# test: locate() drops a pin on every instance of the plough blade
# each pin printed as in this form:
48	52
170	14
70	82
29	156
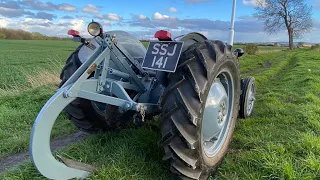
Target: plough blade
41	154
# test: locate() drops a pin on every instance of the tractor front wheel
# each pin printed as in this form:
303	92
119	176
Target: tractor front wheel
199	109
247	97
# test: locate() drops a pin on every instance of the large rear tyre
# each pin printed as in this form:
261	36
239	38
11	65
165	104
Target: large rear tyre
247	97
200	109
88	115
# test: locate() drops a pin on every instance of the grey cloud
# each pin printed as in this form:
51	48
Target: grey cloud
91	9
65	24
138	17
67	17
137	21
43	15
11	13
37	5
241	25
67	7
38	23
81	16
40	6
109	16
196	1
12	9
142	24
10	4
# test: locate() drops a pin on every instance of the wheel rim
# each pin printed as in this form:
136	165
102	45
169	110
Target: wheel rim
251	99
217	113
100	108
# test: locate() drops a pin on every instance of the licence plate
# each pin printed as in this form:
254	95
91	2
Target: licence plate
162	56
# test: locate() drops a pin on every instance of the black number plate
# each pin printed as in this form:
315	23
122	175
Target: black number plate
163	56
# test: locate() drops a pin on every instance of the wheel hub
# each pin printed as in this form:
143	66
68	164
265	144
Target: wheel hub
222	112
217	113
251	99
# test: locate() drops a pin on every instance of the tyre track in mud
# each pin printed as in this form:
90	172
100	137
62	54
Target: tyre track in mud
11	161
267	65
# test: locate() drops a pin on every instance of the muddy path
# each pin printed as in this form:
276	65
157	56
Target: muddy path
14	160
267	64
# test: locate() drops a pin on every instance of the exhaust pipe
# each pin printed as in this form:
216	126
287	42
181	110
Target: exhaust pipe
231	36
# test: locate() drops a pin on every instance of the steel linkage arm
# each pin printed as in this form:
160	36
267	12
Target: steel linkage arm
79	86
88	91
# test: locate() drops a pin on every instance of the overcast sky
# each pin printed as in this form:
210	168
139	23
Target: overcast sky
143	17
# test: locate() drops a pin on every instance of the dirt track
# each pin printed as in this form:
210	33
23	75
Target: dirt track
57	144
267	65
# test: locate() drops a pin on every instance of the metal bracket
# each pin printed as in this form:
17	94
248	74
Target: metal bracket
104	72
146	95
81	86
84	71
131	59
76	39
121	62
88	91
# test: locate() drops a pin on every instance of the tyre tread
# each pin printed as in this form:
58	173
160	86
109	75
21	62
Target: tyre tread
244	88
195	67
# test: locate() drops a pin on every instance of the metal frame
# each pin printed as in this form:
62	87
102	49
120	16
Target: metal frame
79	86
90	88
41	155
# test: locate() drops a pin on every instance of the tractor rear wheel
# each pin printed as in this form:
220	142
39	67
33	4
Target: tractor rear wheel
87	115
200	109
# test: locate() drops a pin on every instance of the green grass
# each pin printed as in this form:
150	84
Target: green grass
21	57
30	73
280	141
145	44
17	114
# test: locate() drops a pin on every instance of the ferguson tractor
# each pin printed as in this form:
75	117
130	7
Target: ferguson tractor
193	84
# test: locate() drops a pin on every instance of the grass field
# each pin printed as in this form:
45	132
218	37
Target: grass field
281	140
30	74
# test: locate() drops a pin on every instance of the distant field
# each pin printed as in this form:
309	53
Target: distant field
264	47
21	57
280	141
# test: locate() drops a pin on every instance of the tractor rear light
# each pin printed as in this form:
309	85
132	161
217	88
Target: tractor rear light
73	32
163	35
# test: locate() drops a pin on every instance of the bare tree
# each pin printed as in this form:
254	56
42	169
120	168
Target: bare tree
293	15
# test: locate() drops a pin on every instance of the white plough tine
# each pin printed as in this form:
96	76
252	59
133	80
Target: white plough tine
41	155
